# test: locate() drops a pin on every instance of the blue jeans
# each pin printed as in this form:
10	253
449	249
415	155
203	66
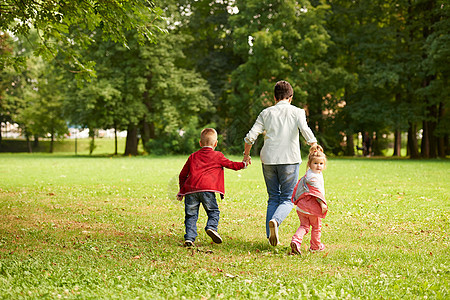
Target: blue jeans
191	206
280	182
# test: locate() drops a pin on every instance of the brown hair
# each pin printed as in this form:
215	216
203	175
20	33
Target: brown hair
283	90
314	153
208	137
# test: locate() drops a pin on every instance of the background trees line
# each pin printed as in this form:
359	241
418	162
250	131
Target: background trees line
356	66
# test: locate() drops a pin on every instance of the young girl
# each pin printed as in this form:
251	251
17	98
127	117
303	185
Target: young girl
309	200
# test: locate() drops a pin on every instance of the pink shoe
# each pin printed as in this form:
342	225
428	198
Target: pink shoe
321	248
295	248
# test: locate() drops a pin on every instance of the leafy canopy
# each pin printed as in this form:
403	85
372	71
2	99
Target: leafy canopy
63	24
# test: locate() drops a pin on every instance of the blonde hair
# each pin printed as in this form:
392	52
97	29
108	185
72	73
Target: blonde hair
208	137
316	152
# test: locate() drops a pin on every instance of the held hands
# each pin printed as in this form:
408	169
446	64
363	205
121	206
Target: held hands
247	160
179	197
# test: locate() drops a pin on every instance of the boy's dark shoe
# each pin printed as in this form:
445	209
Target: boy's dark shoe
188	243
214	236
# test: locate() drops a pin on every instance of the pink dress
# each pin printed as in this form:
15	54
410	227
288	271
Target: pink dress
308	189
306	193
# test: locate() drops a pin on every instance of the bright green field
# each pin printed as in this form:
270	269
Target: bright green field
104	228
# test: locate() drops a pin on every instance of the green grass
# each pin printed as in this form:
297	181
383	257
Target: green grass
83	227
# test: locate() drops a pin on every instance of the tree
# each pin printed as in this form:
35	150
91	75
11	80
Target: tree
209	49
5	82
36	95
32	97
143	89
398	87
62	24
436	88
43	115
175	97
113	99
278	40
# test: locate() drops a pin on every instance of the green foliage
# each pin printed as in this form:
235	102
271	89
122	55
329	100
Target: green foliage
185	141
175	95
114	98
63	24
34	97
210	50
283	40
145	85
436	64
355	66
104	228
388	49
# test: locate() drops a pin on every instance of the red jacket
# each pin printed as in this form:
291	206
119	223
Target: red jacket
203	172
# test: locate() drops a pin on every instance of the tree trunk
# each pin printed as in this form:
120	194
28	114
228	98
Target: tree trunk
350	147
429	141
413	148
115	141
397	143
52	139
30	149
131	145
446	147
145	132
376	144
432	125
432	139
429	146
441	139
369	143
441	147
425	144
36	141
92	142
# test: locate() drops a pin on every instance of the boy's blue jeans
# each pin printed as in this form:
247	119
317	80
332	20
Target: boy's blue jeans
191	207
280	182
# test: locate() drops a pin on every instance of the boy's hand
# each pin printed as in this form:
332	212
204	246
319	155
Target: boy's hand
247	160
179	197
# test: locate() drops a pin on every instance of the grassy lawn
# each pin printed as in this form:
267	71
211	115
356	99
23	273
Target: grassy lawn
103	228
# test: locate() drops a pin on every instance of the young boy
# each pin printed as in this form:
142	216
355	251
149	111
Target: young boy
201	177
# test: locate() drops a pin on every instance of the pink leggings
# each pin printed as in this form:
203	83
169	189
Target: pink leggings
305	222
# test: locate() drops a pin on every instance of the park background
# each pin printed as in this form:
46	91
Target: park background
102	225
162	71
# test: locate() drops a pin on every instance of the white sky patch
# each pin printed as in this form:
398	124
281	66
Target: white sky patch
250	41
232	10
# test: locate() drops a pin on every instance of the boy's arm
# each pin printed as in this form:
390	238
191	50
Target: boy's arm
184	175
234	165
